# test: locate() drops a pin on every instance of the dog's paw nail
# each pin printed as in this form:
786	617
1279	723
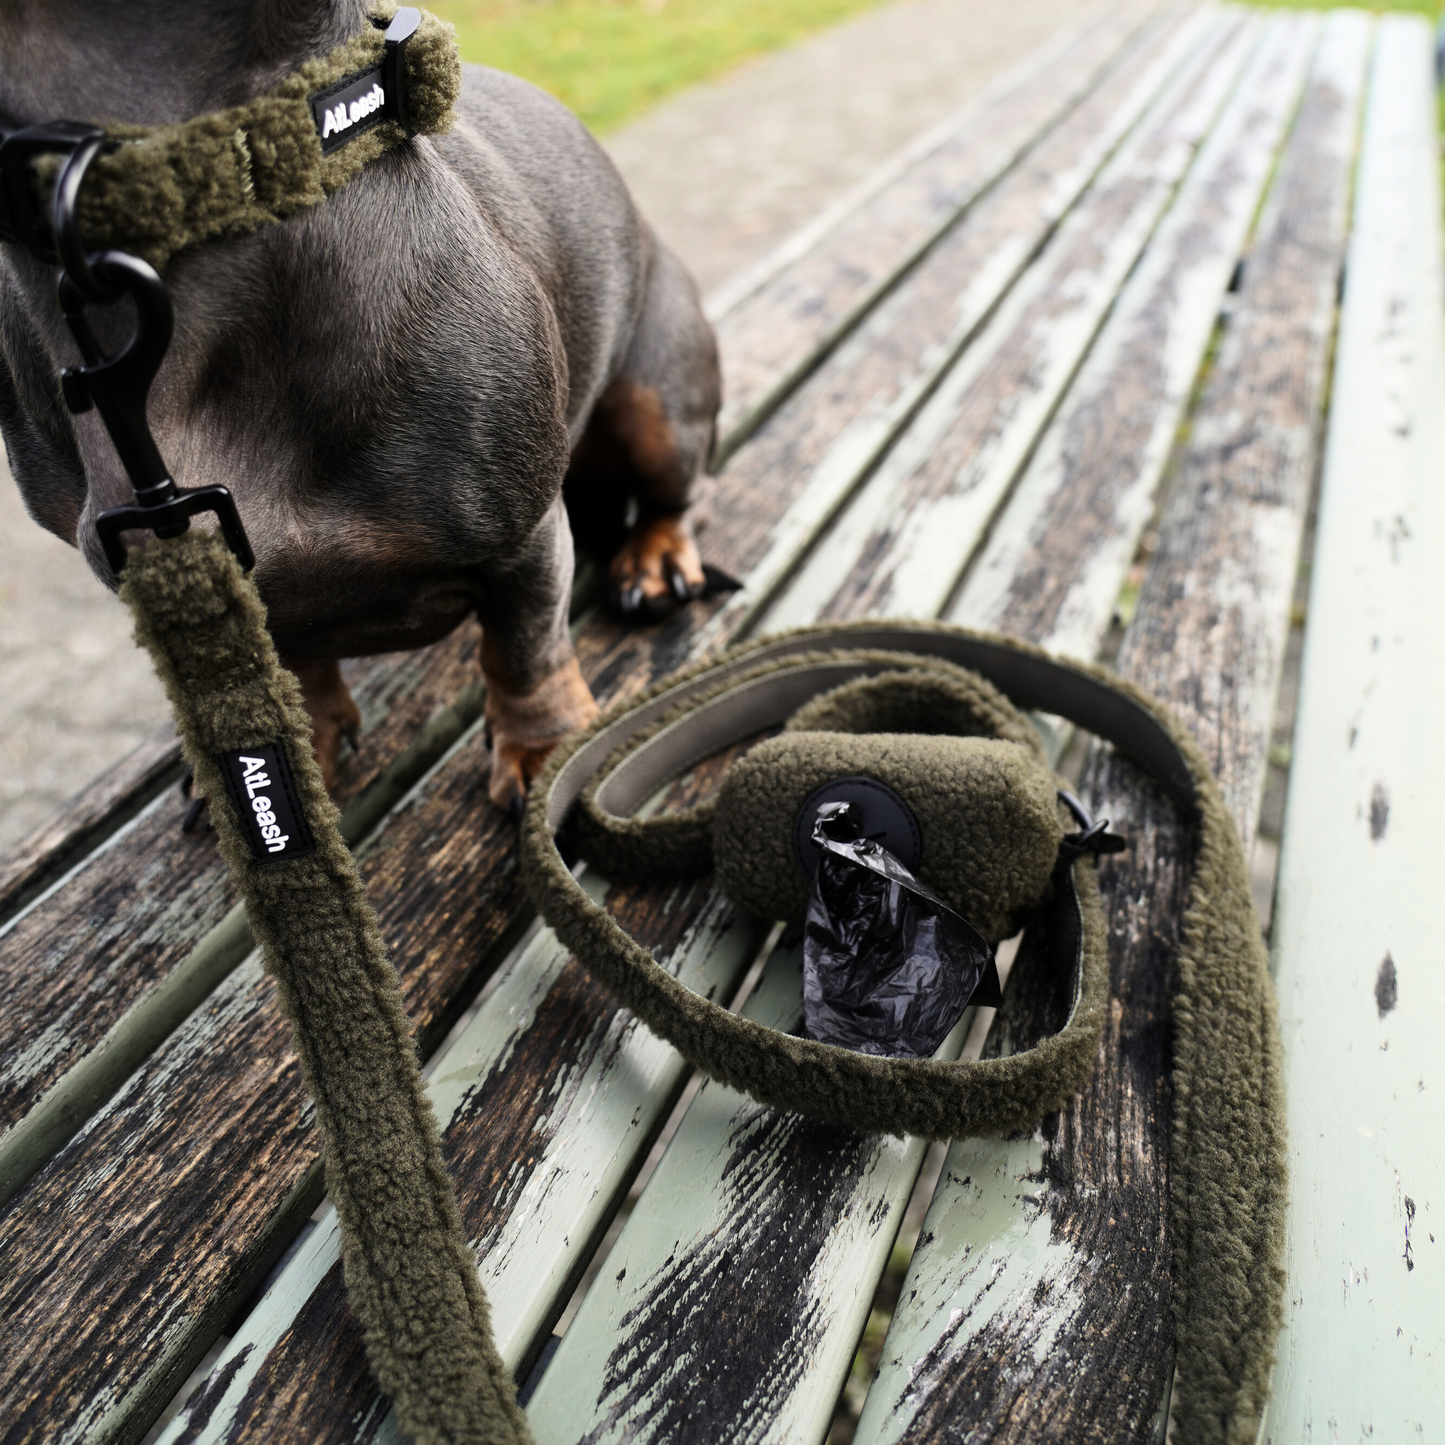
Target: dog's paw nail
630	598
517	807
353	739
192	819
188	782
487	736
715	580
676	581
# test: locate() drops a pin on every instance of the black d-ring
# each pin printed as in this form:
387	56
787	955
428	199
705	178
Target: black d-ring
66	223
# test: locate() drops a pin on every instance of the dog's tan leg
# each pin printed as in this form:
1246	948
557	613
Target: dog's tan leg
334	715
651	433
535	691
526	725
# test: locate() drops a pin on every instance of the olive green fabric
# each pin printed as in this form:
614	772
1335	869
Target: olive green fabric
410	1273
927	1097
987	814
230	172
940	700
1228	1170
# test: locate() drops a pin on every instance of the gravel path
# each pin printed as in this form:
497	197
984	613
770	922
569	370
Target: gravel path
724	171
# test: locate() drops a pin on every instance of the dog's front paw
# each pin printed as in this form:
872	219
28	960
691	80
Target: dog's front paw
658	567
525	727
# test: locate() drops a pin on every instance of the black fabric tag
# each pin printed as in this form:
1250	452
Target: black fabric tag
349	108
259	782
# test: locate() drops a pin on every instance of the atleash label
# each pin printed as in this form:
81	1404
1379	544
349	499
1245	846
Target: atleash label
260	785
348	109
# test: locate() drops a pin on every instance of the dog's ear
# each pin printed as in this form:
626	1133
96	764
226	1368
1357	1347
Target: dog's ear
286	31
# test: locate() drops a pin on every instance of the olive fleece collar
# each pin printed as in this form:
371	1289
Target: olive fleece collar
155	190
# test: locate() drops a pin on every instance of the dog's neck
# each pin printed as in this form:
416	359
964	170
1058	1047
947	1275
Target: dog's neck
152	61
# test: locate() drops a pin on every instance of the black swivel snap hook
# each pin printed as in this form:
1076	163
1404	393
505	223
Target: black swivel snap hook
118	385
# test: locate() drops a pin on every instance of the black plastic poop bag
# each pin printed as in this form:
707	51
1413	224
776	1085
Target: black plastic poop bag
888	966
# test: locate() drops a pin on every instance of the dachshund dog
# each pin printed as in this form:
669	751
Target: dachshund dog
396	384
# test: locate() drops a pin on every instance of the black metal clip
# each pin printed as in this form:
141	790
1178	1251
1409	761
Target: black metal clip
393	62
1092	837
24	218
117	385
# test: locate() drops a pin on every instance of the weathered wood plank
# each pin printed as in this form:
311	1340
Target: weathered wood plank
1357	950
803	301
1057	557
94	973
757	1242
905	539
549	1101
1040	1292
832	433
87	820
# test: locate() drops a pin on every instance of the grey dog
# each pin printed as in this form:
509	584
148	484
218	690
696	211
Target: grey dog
396	384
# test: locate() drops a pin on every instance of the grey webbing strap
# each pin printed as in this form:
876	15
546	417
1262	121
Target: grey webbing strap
1029	677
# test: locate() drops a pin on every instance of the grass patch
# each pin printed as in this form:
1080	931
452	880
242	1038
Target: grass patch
609	60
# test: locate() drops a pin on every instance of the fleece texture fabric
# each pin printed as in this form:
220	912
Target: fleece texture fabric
162	188
409	1270
1228	1172
987	814
927	1097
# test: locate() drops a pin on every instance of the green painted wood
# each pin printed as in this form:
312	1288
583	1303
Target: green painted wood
904	541
837	428
1058	556
535	1212
1357	950
728	1306
1040	1257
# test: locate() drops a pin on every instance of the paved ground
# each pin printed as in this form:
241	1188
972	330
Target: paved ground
724	171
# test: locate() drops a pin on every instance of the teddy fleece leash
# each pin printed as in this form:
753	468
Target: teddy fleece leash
1227	1158
410	1273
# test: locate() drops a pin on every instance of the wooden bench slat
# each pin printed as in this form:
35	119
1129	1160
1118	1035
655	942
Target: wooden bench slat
1067	162
1357	951
772	335
760	1236
906	538
87	820
572	1091
93	974
1059	553
1043	1257
834	430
